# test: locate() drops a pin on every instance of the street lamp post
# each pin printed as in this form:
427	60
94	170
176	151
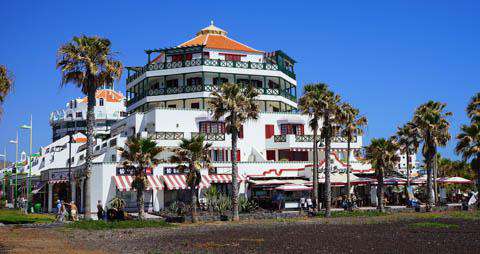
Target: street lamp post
16	170
29	127
4	155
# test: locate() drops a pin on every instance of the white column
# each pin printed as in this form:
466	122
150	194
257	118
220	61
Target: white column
50	197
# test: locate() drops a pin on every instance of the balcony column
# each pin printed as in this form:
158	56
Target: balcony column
183	84
203	102
234	78
264	84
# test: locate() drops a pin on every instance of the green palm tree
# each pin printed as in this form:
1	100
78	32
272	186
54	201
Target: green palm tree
469	146
409	140
310	104
6	84
191	156
430	119
473	108
237	105
88	63
331	115
382	154
352	126
138	155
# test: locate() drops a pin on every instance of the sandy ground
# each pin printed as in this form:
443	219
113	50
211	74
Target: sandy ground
341	235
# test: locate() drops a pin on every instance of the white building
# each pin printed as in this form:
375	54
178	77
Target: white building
168	99
110	107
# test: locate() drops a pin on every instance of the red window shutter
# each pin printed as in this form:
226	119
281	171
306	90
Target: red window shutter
240	133
238	155
270	155
269	131
302	130
188	56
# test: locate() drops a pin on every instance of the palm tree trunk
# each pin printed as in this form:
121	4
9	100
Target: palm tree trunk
409	169
140	204
235	216
349	140
193	193
90	144
478	177
315	170
380	191
429	185
328	187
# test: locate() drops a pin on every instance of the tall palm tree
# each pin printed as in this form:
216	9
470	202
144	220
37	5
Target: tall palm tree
331	115
88	63
433	127
409	140
352	125
237	105
473	108
138	155
469	146
382	154
191	156
310	104
6	84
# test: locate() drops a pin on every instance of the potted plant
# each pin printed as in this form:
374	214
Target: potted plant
116	210
177	212
223	205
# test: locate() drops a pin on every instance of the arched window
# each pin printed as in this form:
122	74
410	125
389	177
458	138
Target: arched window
100	101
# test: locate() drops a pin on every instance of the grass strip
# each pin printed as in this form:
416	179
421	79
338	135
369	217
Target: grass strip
106	225
10	216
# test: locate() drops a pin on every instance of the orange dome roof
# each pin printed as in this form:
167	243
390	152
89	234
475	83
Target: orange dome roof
216	38
107	95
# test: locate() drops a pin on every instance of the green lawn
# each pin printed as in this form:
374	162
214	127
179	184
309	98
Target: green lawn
10	216
356	213
104	225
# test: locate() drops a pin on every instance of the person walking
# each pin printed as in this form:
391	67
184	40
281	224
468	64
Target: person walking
73	211
100	211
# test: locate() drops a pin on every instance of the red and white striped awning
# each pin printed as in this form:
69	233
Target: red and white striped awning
124	182
179	182
223	178
58	181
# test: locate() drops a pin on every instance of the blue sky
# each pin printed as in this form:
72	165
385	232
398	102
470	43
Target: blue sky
385	57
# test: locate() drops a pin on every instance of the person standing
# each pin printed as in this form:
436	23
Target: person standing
73	211
100	211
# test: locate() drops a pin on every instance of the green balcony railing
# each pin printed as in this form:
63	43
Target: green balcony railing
210	136
209	62
204	88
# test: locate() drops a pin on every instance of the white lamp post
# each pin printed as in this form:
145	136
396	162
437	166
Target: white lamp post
29	127
4	155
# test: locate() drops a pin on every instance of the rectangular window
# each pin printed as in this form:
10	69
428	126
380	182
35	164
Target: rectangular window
176	58
296	129
257	83
172	106
273	85
240	132
212	127
172	83
195	105
206	55
270	155
232	57
194	81
78	114
219	81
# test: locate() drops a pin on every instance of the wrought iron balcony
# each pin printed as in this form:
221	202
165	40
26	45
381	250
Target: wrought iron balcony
210	136
279	138
209	62
204	88
166	135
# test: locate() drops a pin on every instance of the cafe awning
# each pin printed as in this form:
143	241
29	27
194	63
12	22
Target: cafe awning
293	187
223	178
124	182
179	182
454	180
